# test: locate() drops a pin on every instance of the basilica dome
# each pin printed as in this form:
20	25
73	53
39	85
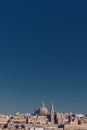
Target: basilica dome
43	110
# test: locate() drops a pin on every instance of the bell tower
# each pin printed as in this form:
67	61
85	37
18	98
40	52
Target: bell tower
52	114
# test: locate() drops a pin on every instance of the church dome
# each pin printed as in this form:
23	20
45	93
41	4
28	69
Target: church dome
43	110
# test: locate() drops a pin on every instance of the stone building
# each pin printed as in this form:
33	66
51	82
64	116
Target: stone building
40	119
17	121
4	120
82	120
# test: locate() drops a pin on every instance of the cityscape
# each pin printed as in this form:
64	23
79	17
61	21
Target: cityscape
43	57
42	119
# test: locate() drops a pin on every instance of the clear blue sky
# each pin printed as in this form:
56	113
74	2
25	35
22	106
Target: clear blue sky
43	55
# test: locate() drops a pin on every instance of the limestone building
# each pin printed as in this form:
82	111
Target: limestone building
40	119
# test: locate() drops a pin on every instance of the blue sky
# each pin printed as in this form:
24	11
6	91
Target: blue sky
43	55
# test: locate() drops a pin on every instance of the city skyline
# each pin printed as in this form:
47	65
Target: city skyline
43	55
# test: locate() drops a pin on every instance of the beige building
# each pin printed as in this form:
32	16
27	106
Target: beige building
42	119
39	120
4	120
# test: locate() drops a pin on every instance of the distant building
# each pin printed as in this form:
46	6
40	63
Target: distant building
41	119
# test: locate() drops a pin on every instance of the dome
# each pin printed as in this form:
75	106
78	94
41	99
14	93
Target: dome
43	110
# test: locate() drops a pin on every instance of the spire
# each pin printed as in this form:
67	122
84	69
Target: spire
52	114
52	107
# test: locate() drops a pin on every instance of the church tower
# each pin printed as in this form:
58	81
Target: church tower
52	114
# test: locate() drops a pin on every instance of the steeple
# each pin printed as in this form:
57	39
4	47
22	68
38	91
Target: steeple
52	114
52	108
